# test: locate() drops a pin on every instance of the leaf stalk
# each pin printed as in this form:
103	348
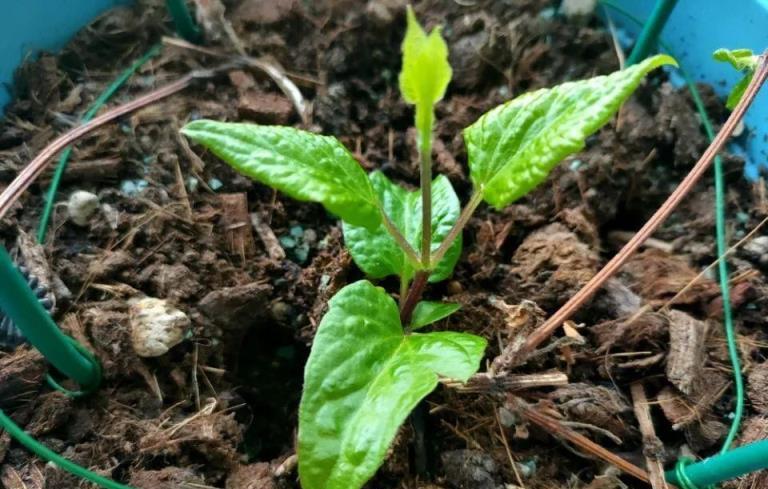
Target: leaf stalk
462	221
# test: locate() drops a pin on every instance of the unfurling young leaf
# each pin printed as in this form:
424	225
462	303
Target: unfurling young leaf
512	148
362	379
428	312
425	73
304	165
743	60
377	254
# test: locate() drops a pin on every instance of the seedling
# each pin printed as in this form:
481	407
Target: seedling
368	368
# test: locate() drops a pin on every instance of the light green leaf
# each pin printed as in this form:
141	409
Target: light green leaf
377	253
304	165
362	379
513	147
425	73
428	312
743	60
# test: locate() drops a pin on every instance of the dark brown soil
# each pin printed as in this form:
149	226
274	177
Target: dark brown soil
219	409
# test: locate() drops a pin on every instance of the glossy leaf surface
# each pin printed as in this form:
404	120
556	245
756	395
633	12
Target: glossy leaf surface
513	147
428	312
362	379
377	253
303	165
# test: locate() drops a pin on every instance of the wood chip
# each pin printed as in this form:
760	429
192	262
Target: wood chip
235	219
268	238
687	338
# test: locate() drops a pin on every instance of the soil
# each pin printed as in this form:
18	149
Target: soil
253	269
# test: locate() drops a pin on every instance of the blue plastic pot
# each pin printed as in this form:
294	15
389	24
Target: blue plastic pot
695	29
29	26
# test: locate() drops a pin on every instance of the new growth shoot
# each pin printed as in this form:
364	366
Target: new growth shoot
371	362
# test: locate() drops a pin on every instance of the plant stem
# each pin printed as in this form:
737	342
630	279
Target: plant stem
466	214
404	283
414	294
425	177
553	323
403	243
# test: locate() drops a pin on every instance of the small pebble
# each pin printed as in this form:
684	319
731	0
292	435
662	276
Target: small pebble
156	326
81	206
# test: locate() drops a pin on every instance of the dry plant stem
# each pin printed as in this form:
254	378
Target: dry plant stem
414	294
553	323
28	175
556	429
285	84
486	382
712	265
652	446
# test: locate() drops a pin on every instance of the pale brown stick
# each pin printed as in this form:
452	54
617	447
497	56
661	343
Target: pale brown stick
544	331
652	446
554	428
28	175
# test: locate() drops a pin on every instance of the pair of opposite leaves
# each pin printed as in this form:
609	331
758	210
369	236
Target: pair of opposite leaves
364	374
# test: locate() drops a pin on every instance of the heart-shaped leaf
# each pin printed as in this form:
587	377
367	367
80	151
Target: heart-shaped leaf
304	165
513	147
363	377
377	253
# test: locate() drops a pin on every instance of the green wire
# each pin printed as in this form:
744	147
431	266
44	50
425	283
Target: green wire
720	238
722	271
183	21
651	28
46	453
108	93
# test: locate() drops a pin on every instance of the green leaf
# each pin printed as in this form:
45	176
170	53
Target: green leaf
738	91
377	253
425	73
362	379
304	165
513	147
743	60
428	312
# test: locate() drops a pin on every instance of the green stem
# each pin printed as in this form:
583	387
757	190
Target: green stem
425	176
403	243
97	104
466	214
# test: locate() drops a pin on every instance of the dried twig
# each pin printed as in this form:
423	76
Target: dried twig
554	428
487	382
653	448
33	170
272	70
544	331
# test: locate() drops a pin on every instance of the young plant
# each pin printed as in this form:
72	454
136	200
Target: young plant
745	61
368	368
